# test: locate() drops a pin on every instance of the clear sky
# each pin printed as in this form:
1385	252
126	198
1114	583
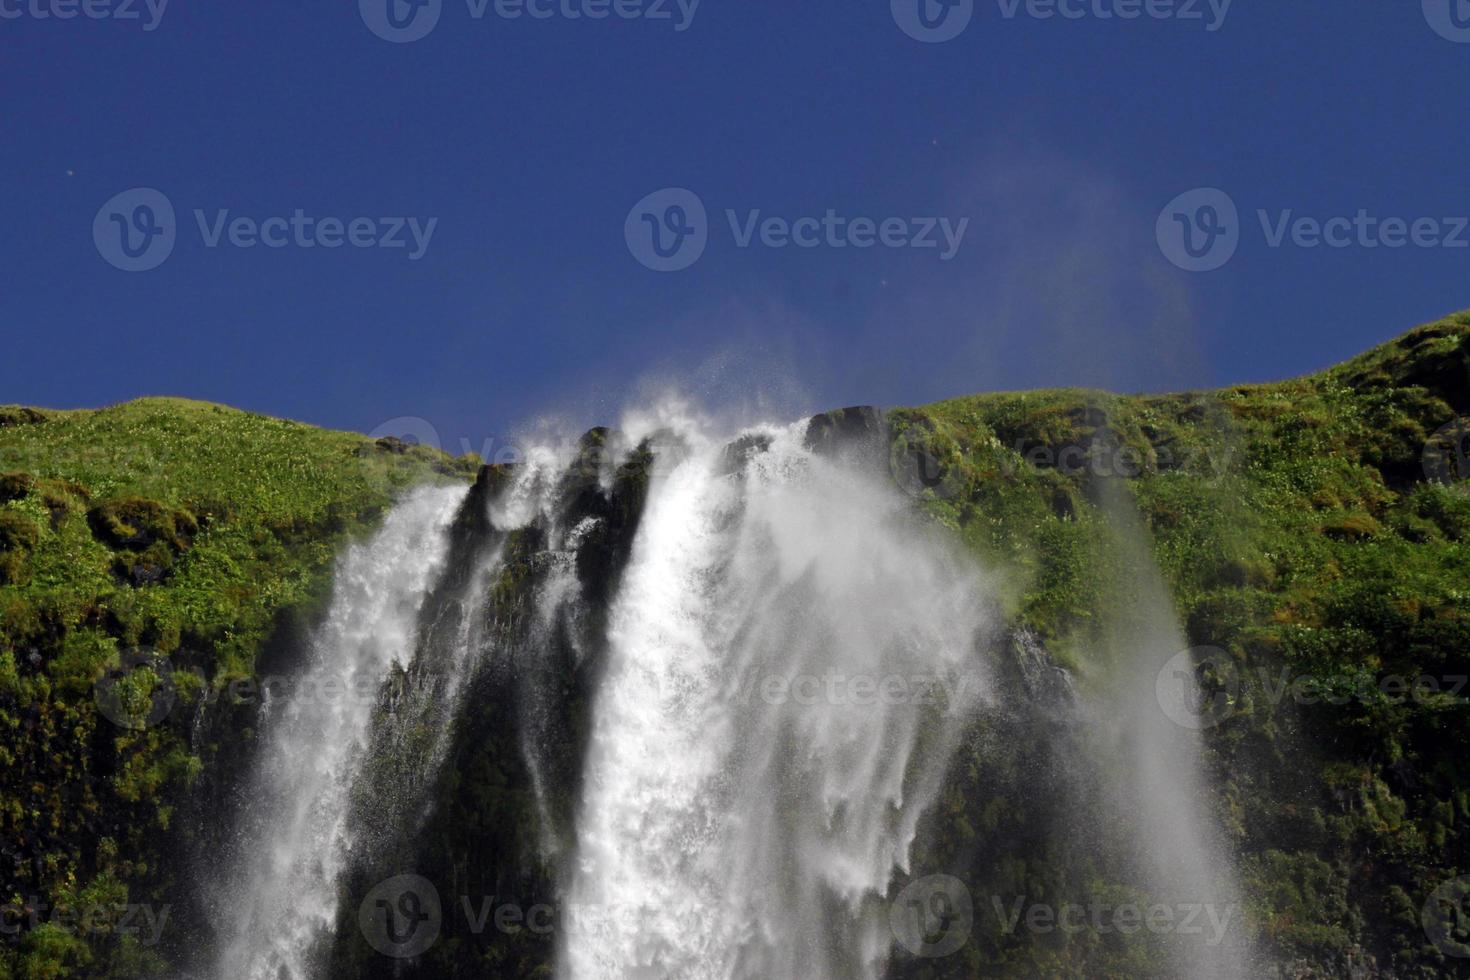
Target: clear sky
526	145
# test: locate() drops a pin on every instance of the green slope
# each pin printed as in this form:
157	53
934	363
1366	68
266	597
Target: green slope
161	527
1293	521
1300	534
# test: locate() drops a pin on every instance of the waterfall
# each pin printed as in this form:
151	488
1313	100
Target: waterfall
717	681
791	660
1153	758
293	837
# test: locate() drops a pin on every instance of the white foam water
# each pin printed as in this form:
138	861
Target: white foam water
293	842
1156	781
792	659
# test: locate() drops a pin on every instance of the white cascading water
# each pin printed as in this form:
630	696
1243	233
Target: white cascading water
792	658
1156	777
747	798
293	844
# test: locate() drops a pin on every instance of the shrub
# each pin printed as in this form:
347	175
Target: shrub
15	486
136	524
18	538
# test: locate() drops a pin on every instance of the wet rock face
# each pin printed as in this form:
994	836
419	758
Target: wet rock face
742	451
860	429
502	801
1044	683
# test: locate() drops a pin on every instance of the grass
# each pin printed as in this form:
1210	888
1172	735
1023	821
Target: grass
1292	521
1299	530
186	528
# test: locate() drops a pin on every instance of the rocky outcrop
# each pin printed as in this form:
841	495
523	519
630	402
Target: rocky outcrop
858	434
502	787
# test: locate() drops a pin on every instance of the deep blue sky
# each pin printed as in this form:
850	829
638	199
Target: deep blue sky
530	141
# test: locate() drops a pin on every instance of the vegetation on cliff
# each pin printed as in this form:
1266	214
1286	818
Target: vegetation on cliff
1314	531
1293	521
149	553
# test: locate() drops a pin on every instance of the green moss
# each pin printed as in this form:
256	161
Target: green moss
1298	530
19	537
1293	522
15	486
187	528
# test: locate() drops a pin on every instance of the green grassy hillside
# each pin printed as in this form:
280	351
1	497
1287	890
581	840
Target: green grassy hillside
1294	522
162	531
1300	533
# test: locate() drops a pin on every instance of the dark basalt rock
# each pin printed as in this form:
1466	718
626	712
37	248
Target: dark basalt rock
858	437
16	486
393	444
1046	685
741	451
500	808
860	428
12	415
